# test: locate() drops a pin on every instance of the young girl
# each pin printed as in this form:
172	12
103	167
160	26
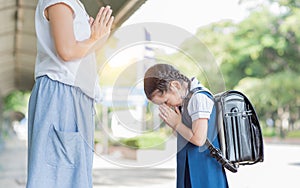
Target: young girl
168	88
61	121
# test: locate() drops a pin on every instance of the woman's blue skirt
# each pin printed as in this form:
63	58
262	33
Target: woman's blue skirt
60	136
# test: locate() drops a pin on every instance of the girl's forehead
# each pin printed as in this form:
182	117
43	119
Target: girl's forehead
159	98
157	93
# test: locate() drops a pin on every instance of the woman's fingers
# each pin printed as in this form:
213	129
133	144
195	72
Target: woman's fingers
106	13
111	20
107	17
101	26
99	15
91	21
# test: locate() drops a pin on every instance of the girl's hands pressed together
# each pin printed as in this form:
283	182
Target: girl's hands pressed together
171	117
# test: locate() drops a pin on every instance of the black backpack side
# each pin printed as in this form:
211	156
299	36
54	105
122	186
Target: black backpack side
239	131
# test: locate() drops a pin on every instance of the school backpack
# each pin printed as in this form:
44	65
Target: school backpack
239	131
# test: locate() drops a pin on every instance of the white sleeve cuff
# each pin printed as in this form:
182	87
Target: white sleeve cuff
200	106
198	115
53	2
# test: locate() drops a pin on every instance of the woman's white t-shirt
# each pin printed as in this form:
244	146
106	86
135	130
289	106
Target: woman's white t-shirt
81	73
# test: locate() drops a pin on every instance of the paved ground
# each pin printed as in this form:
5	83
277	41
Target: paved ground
13	164
281	168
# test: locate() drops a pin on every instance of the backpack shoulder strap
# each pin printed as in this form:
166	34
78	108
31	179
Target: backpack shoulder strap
199	90
214	152
217	154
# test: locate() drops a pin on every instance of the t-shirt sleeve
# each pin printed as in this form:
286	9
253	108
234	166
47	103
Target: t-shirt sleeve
200	106
49	3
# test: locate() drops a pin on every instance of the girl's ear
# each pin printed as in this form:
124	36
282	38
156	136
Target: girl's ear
175	84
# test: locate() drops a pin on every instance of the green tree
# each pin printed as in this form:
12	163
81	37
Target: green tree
260	55
17	101
276	96
262	44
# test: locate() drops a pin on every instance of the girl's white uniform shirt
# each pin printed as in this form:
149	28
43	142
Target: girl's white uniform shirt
200	105
81	73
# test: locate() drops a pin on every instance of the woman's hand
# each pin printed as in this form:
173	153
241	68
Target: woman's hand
68	48
171	117
101	25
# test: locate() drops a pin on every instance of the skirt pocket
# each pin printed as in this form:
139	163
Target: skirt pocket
63	148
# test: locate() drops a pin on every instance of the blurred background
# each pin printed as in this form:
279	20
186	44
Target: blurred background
249	45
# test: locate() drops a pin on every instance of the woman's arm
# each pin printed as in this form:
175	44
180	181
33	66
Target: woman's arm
197	135
68	48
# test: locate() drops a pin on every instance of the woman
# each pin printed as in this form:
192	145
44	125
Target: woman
61	116
193	119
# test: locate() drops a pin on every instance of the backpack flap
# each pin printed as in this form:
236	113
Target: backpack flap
239	130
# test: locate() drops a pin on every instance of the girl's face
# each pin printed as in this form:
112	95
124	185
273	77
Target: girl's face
171	98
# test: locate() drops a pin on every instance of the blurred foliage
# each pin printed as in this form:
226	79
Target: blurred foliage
268	132
260	56
293	134
291	4
262	44
17	101
153	140
273	91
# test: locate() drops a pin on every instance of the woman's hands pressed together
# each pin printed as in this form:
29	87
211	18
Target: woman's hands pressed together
171	117
68	48
101	25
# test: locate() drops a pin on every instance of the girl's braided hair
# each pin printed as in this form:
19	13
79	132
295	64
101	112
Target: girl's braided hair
159	76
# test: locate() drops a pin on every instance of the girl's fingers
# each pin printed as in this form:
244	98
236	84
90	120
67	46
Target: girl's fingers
166	108
162	116
163	110
177	110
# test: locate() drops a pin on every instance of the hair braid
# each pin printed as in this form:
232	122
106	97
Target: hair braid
159	76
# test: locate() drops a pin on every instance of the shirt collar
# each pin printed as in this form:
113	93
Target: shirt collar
195	83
